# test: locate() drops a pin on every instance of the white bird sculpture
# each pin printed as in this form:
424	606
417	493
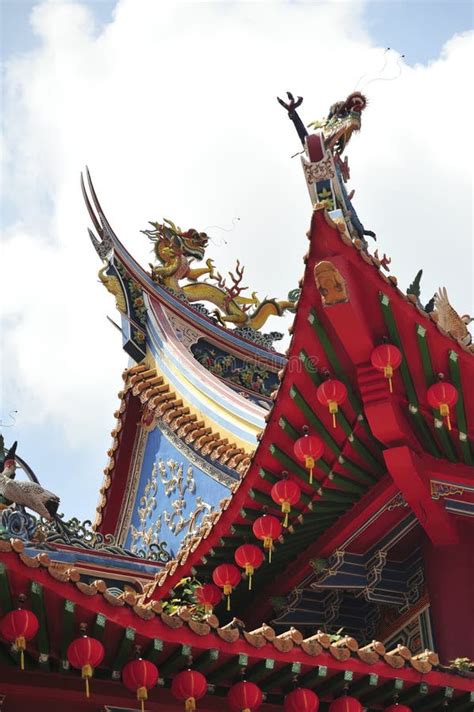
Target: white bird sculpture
27	494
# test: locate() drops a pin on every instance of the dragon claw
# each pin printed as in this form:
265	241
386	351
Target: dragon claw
292	103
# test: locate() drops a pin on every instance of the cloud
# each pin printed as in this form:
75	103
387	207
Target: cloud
172	105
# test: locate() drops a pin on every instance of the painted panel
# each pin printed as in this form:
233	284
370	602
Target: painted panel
175	494
249	378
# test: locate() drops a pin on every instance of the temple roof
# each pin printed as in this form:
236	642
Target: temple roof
352	478
60	598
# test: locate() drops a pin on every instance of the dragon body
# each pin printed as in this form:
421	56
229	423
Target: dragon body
176	250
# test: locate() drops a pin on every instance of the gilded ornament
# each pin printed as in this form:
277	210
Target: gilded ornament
112	285
330	283
175	251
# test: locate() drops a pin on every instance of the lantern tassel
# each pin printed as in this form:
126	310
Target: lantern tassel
268	544
333	410
86	674
227	592
20	643
142	695
285	508
444	411
249	571
190	704
388	373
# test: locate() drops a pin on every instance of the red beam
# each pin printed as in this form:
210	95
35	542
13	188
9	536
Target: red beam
445	470
409	474
119	475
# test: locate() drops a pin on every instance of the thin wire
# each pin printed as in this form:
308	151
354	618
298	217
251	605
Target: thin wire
12	416
379	71
389	79
380	78
225	229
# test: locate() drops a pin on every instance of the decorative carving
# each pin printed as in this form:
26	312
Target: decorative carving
175	251
185	333
25	494
444	489
322	170
243	374
449	320
397	501
176	482
43	534
137	300
112	285
330	283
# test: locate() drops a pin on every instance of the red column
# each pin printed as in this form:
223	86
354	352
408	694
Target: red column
449	572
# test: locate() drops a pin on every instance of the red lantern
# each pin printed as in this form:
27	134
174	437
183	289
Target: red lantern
443	396
386	358
249	557
18	627
267	529
85	654
244	697
227	577
139	676
332	393
346	704
208	596
308	449
189	686
301	700
398	708
285	492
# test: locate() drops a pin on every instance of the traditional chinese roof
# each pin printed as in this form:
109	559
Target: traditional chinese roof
61	600
187	320
357	476
146	397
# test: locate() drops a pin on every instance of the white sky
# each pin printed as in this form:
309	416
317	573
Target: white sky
172	106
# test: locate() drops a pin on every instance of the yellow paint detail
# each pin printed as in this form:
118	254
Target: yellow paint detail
247	445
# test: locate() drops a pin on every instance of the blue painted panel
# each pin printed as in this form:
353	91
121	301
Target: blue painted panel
174	495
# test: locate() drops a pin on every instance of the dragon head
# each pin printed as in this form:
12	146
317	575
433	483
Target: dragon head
167	235
194	243
343	119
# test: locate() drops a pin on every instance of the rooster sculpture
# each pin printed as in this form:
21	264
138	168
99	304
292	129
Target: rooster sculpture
26	494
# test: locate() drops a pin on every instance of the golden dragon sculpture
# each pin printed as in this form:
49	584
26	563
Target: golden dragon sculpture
175	251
